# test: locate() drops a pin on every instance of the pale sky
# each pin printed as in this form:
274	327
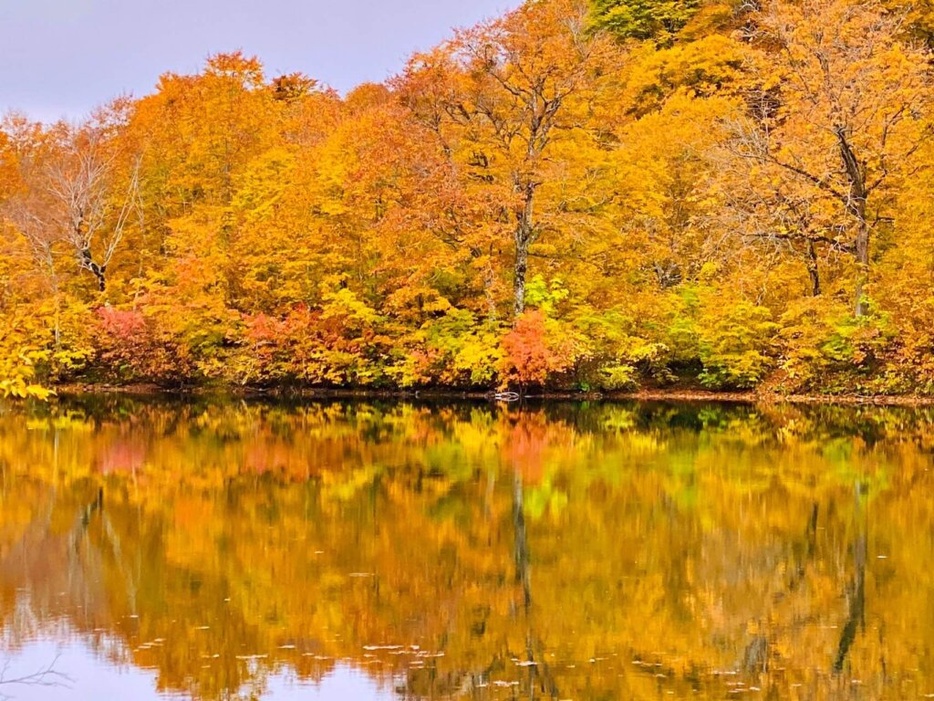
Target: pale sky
61	58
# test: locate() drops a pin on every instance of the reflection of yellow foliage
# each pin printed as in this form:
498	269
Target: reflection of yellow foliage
681	537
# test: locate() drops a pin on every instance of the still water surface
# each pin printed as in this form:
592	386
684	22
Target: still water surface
216	550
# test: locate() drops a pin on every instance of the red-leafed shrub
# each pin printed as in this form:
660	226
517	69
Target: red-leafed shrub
535	349
127	349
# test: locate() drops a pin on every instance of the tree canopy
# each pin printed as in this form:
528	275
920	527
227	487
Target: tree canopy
577	196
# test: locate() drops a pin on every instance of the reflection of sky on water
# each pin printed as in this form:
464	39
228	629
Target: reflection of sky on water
88	679
343	682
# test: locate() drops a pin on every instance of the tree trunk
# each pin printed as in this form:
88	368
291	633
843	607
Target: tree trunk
524	235
862	263
522	267
813	271
86	261
101	274
856	205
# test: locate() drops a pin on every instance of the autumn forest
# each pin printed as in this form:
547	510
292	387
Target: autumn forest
602	196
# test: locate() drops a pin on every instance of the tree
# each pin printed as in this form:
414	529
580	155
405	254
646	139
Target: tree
70	193
832	128
504	99
643	19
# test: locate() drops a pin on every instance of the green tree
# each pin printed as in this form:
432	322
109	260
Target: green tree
643	19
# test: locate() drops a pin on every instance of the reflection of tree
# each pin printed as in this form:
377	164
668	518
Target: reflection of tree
521	552
539	674
255	538
75	560
51	558
856	588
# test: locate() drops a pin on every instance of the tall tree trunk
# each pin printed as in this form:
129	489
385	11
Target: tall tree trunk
524	235
862	264
856	205
522	267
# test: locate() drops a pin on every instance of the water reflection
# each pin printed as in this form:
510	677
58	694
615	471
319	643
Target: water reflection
79	674
220	550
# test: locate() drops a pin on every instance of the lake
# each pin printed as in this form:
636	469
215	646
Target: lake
221	549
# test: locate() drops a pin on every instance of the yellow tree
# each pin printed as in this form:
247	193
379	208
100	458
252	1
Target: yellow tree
668	191
72	193
198	133
67	196
278	250
508	102
832	129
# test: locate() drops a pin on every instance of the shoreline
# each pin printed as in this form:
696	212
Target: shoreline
654	395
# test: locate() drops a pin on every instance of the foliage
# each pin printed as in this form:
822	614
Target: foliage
425	546
643	19
730	197
18	361
734	343
826	348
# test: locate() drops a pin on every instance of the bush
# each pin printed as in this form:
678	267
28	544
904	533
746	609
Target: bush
734	342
